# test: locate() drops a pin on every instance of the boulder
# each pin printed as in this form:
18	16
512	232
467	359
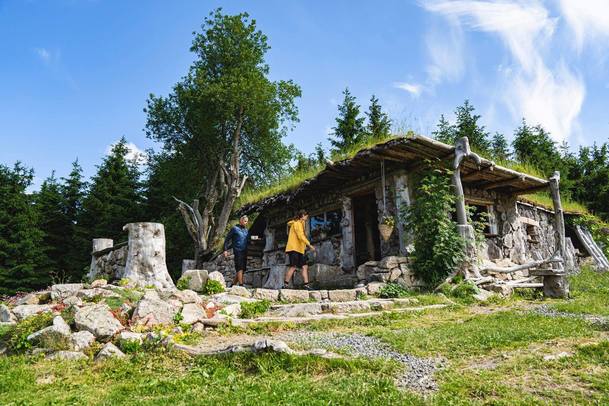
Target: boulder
389	262
297	310
25	311
131	336
395	274
29	299
6	316
232	310
73	301
99	283
109	351
349	307
81	340
193	313
483	295
67	355
217	276
275	277
293	295
226	298
62	291
268	294
56	336
195	279
151	311
240	291
91	294
374	288
186	296
98	320
502	289
267	345
342	295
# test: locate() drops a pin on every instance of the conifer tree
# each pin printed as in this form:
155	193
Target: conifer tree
349	130
467	126
379	124
445	132
20	239
72	190
500	147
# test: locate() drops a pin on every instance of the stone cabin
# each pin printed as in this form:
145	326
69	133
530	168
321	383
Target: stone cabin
347	201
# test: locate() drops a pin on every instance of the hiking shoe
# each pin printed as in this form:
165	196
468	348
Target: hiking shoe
286	285
308	286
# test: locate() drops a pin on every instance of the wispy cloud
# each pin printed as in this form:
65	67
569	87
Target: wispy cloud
588	19
445	50
534	88
414	89
45	55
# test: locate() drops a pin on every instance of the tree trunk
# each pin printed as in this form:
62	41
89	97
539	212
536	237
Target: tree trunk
146	258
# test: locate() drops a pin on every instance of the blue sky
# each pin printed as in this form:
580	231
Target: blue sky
75	74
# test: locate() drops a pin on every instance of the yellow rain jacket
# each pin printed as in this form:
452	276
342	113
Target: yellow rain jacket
297	241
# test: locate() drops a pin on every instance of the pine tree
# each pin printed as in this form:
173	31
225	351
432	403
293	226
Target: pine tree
467	126
113	199
500	147
379	124
72	191
533	145
445	132
349	130
320	154
20	239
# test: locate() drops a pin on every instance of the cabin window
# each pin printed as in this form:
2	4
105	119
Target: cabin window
324	225
485	215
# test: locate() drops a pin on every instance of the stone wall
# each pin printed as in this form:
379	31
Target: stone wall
109	263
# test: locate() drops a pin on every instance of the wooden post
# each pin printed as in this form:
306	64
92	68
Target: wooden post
402	200
347	255
557	285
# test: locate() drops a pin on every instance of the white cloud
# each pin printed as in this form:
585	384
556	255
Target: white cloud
446	54
44	54
589	19
414	89
545	94
134	153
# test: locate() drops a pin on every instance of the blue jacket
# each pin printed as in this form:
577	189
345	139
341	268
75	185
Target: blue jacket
238	238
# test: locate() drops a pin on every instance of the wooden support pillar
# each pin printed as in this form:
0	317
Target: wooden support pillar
557	285
402	200
347	253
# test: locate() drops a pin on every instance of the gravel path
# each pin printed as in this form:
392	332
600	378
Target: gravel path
418	372
546	310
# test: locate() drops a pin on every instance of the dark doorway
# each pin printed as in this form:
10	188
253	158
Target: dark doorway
367	237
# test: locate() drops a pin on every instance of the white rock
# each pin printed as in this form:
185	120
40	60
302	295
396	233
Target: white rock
240	291
98	320
342	295
65	290
374	288
297	310
217	276
226	298
198	328
81	340
315	295
151	311
389	262
395	274
349	307
109	351
193	313
186	296
89	294
271	345
131	336
483	295
197	278
553	357
99	283
232	310
294	295
268	294
25	311
59	331
72	301
67	355
29	299
6	316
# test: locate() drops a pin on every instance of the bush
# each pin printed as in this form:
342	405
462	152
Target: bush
183	283
392	291
16	338
438	248
249	310
464	291
212	287
130	346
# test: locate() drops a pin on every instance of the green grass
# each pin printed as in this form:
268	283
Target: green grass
544	200
589	294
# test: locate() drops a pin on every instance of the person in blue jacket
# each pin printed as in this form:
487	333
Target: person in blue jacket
238	238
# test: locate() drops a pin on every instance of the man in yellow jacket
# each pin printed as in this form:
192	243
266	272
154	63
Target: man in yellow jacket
295	248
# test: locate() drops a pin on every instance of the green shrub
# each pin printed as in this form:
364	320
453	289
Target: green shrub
361	295
130	346
178	318
16	338
249	310
392	291
212	287
464	291
183	283
438	247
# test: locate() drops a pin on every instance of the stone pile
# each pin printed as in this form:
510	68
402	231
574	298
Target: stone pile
392	269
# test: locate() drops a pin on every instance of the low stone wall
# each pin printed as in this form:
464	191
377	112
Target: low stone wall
390	269
109	263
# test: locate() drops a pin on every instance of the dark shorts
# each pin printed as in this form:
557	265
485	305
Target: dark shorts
296	259
240	260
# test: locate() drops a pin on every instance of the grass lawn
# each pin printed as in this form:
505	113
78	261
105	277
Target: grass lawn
501	354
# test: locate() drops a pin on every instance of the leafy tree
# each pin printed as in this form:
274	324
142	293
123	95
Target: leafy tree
113	199
228	119
499	147
379	124
349	130
21	251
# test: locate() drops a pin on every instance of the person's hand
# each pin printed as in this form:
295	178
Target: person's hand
225	254
255	237
312	248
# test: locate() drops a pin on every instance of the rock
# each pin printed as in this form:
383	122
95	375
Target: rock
374	288
81	340
275	277
131	336
292	295
72	301
29	299
99	283
91	294
193	313
483	295
395	274
324	295
151	311
315	295
226	298
267	345
331	277
389	262
25	311
554	287
240	291
232	310
188	264
109	351
349	307
62	291
56	336
186	296
502	289
297	310
217	276
342	295
378	277
67	355
198	328
195	279
268	294
98	320
552	357
6	316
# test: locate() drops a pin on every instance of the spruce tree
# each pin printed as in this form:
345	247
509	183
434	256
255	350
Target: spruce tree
379	124
21	253
467	126
349	130
445	132
500	147
72	190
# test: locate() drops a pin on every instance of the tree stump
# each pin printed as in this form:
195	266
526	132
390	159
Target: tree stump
146	257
